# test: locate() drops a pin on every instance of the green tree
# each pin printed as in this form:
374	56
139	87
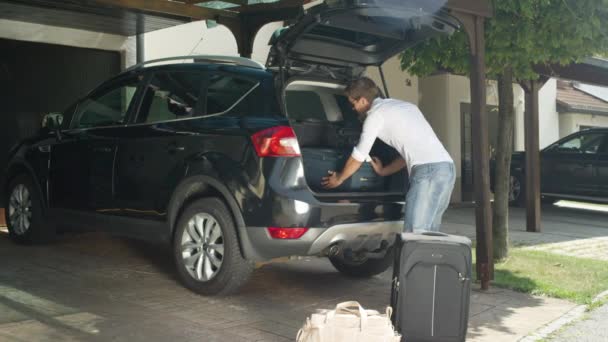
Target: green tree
520	35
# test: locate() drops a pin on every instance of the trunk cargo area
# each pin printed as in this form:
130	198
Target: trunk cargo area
327	129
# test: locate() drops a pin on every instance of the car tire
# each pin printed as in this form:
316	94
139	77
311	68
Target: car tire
206	249
364	268
517	191
24	213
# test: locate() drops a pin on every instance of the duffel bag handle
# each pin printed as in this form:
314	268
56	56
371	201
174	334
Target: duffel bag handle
353	307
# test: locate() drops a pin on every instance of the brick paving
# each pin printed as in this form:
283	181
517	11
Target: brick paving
93	287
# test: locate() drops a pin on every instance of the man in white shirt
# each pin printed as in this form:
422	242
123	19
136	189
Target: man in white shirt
401	125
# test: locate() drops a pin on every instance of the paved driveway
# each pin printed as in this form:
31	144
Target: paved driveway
93	287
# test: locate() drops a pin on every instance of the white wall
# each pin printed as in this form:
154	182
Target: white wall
196	39
572	122
519	99
441	97
260	44
401	85
440	100
548	118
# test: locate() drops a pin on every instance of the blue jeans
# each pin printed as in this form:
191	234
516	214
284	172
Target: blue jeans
429	195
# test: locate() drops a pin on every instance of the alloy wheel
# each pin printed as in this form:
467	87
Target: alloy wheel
202	247
20	209
514	189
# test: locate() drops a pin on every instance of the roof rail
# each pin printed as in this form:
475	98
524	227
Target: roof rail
241	61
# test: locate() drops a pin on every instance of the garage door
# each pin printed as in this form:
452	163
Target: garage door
38	78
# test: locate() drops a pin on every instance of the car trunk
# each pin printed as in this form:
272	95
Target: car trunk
327	129
337	40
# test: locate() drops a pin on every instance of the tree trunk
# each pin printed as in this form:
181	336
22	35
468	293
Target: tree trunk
504	149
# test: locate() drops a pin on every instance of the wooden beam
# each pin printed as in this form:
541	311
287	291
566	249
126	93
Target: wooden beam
253	18
474	7
170	7
236	2
532	169
582	72
474	27
271	6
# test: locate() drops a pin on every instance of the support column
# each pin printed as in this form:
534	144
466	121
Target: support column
531	129
474	27
247	25
139	41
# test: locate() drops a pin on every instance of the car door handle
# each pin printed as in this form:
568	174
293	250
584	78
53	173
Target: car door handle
172	148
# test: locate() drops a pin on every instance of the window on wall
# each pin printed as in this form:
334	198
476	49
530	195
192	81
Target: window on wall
226	91
170	96
108	107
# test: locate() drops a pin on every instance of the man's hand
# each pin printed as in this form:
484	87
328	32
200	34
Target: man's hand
332	181
377	165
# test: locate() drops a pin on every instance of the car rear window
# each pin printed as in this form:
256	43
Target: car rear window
304	105
225	91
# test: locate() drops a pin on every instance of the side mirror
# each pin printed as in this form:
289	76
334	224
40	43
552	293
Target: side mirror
52	122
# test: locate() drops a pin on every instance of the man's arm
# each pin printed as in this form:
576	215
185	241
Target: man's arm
335	179
371	128
394	167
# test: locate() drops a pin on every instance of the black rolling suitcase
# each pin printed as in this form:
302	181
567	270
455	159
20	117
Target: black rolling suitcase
431	287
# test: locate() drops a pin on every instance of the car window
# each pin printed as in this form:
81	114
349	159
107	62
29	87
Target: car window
107	107
584	143
225	91
68	114
304	105
170	96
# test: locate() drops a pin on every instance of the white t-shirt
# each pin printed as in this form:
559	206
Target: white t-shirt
401	125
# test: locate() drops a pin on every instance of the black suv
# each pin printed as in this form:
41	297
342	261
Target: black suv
209	155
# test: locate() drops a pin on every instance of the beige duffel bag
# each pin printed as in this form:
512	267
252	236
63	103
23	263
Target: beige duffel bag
349	322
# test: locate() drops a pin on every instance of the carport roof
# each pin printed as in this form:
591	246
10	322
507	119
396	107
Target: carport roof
131	17
87	15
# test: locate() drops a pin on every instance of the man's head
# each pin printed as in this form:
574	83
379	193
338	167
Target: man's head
361	93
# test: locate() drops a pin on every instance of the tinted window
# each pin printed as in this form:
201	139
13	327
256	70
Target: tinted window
584	143
67	116
225	91
108	107
170	96
302	105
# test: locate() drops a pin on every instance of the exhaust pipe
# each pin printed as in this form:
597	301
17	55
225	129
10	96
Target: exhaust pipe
334	250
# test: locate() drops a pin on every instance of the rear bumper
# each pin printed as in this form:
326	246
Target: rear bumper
283	199
317	241
357	236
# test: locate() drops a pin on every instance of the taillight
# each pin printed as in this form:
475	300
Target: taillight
286	233
276	142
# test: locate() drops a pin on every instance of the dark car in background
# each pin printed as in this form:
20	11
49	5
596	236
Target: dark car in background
206	156
575	167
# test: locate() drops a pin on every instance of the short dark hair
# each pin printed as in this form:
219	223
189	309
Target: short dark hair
363	87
